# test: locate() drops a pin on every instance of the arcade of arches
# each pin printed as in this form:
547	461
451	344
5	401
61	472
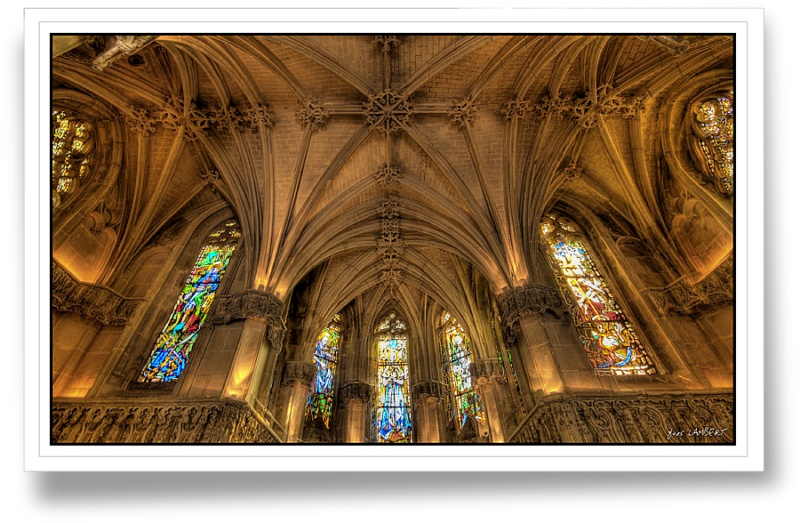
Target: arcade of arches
400	239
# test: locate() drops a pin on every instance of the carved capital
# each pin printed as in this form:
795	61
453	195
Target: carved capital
533	299
357	392
487	369
428	389
91	301
248	304
299	371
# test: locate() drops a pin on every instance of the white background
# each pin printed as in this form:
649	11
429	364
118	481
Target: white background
530	496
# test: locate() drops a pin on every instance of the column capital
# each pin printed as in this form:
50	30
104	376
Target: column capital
485	370
428	392
530	299
299	371
356	391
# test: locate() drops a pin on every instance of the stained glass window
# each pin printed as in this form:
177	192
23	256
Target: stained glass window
392	416
72	144
609	339
713	125
320	400
176	340
459	359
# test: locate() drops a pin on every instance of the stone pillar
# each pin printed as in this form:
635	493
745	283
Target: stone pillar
296	385
522	309
490	386
355	417
262	315
428	398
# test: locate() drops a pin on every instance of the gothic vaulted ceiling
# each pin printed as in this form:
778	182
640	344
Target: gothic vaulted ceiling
396	162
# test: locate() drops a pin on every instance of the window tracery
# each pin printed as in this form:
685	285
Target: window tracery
392	415
610	341
711	145
71	154
168	359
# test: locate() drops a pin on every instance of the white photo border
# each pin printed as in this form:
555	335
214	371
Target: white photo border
746	455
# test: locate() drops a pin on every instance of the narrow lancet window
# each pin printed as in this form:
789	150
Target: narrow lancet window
176	340
459	360
609	339
320	400
392	415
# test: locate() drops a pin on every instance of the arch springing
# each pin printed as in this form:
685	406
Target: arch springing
610	341
176	340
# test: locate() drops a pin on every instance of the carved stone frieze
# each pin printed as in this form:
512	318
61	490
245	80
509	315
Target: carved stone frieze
356	391
129	422
685	418
463	112
387	111
90	301
711	293
248	304
533	299
312	114
300	371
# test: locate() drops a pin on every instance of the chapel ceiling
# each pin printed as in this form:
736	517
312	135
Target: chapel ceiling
392	158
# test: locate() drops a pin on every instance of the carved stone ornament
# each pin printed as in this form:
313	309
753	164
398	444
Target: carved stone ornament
388	177
711	293
140	120
583	110
572	171
428	389
386	43
356	391
90	301
186	422
300	371
487	369
463	112
685	418
533	299
248	304
387	111
312	114
118	47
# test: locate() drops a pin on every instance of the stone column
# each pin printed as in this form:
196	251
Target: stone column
262	315
521	309
428	398
491	387
355	418
296	385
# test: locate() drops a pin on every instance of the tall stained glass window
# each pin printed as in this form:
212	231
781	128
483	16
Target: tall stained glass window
320	400
712	124
459	358
392	415
73	142
609	339
176	340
